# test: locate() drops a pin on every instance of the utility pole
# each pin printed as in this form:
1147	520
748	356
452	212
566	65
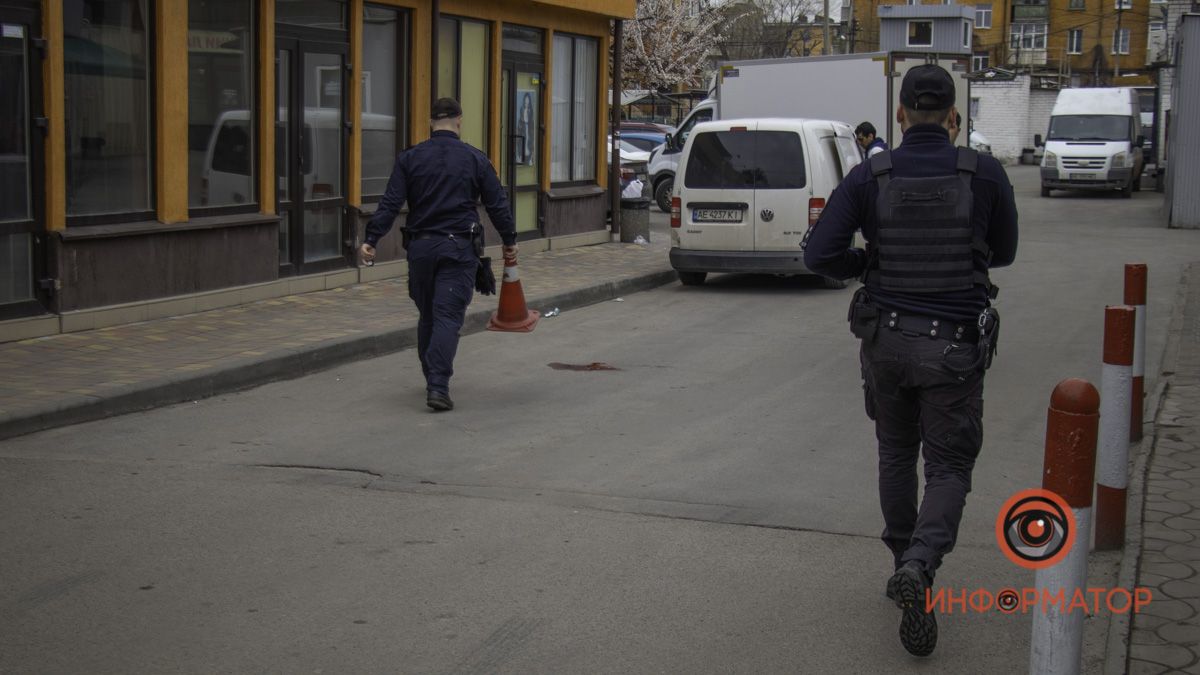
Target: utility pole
614	169
1117	43
825	40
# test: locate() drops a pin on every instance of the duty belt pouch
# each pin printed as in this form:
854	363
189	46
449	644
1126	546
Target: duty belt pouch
863	316
989	336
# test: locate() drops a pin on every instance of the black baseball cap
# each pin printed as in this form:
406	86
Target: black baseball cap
445	108
927	87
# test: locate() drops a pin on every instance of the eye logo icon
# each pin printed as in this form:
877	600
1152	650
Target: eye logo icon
1035	529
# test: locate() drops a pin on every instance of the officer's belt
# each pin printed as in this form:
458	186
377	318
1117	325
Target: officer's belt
930	327
431	234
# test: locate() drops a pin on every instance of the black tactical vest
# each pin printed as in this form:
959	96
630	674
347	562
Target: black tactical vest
925	242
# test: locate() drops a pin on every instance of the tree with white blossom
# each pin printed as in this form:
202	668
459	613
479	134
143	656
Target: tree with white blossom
670	43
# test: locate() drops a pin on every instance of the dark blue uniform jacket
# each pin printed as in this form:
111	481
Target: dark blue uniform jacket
442	179
925	152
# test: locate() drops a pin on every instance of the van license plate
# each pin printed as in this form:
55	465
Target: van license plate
1084	176
717	215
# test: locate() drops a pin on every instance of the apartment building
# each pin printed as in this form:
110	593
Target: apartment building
1080	42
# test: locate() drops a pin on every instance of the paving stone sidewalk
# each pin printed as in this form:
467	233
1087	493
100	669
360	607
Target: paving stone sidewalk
64	379
1166	634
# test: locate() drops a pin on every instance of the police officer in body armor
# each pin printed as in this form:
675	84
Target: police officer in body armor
935	218
442	179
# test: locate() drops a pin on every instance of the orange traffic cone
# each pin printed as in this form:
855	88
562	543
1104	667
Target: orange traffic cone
512	316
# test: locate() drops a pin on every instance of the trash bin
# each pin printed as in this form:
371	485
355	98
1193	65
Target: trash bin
635	219
1027	156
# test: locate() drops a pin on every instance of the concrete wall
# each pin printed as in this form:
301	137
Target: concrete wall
1010	114
1003	116
1041	102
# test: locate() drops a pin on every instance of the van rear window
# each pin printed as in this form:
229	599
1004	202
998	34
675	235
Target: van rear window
759	160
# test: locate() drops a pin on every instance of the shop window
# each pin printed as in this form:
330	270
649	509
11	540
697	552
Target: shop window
107	84
573	138
312	13
221	112
463	73
384	121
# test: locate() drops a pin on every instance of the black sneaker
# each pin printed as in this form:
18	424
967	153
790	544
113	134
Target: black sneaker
439	402
918	626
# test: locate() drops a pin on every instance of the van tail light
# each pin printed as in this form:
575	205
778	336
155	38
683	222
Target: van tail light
676	212
815	206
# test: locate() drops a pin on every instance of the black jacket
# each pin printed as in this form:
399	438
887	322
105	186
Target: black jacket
442	179
925	152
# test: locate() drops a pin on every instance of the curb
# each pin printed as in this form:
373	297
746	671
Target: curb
239	374
1120	626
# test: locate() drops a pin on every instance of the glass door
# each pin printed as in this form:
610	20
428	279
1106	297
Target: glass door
520	150
21	232
311	156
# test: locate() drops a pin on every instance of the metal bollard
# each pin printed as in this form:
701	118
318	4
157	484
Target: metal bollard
1068	471
1112	476
1135	296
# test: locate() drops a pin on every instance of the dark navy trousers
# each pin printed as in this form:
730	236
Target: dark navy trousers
441	281
923	404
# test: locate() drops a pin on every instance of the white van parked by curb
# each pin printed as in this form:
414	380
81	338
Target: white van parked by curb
750	189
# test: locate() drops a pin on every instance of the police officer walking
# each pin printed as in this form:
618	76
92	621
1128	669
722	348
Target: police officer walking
442	179
935	218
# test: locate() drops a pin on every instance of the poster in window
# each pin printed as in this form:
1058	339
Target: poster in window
526	127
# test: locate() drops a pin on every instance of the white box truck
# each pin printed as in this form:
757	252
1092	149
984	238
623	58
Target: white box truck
1094	141
850	88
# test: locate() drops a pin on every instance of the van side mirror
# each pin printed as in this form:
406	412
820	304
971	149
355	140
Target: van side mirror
670	141
1037	141
1140	142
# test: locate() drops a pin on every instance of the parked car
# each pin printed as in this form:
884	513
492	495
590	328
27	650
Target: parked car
633	163
979	143
654	127
644	140
750	190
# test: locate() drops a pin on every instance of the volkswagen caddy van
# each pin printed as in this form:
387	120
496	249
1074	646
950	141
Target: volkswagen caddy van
749	189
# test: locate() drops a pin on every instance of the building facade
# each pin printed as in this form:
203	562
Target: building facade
163	156
1082	42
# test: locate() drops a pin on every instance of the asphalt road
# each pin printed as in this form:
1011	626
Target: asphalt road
708	505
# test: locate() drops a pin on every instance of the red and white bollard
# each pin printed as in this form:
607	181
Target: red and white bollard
1135	296
1112	475
1068	470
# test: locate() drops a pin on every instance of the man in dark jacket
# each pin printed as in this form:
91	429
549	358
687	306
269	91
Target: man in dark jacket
868	141
935	218
442	179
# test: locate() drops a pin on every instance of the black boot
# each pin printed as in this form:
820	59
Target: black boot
918	626
438	401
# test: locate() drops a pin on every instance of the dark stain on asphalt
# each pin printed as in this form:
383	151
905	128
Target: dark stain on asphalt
582	367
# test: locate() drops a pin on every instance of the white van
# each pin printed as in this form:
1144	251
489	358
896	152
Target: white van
750	190
1094	141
